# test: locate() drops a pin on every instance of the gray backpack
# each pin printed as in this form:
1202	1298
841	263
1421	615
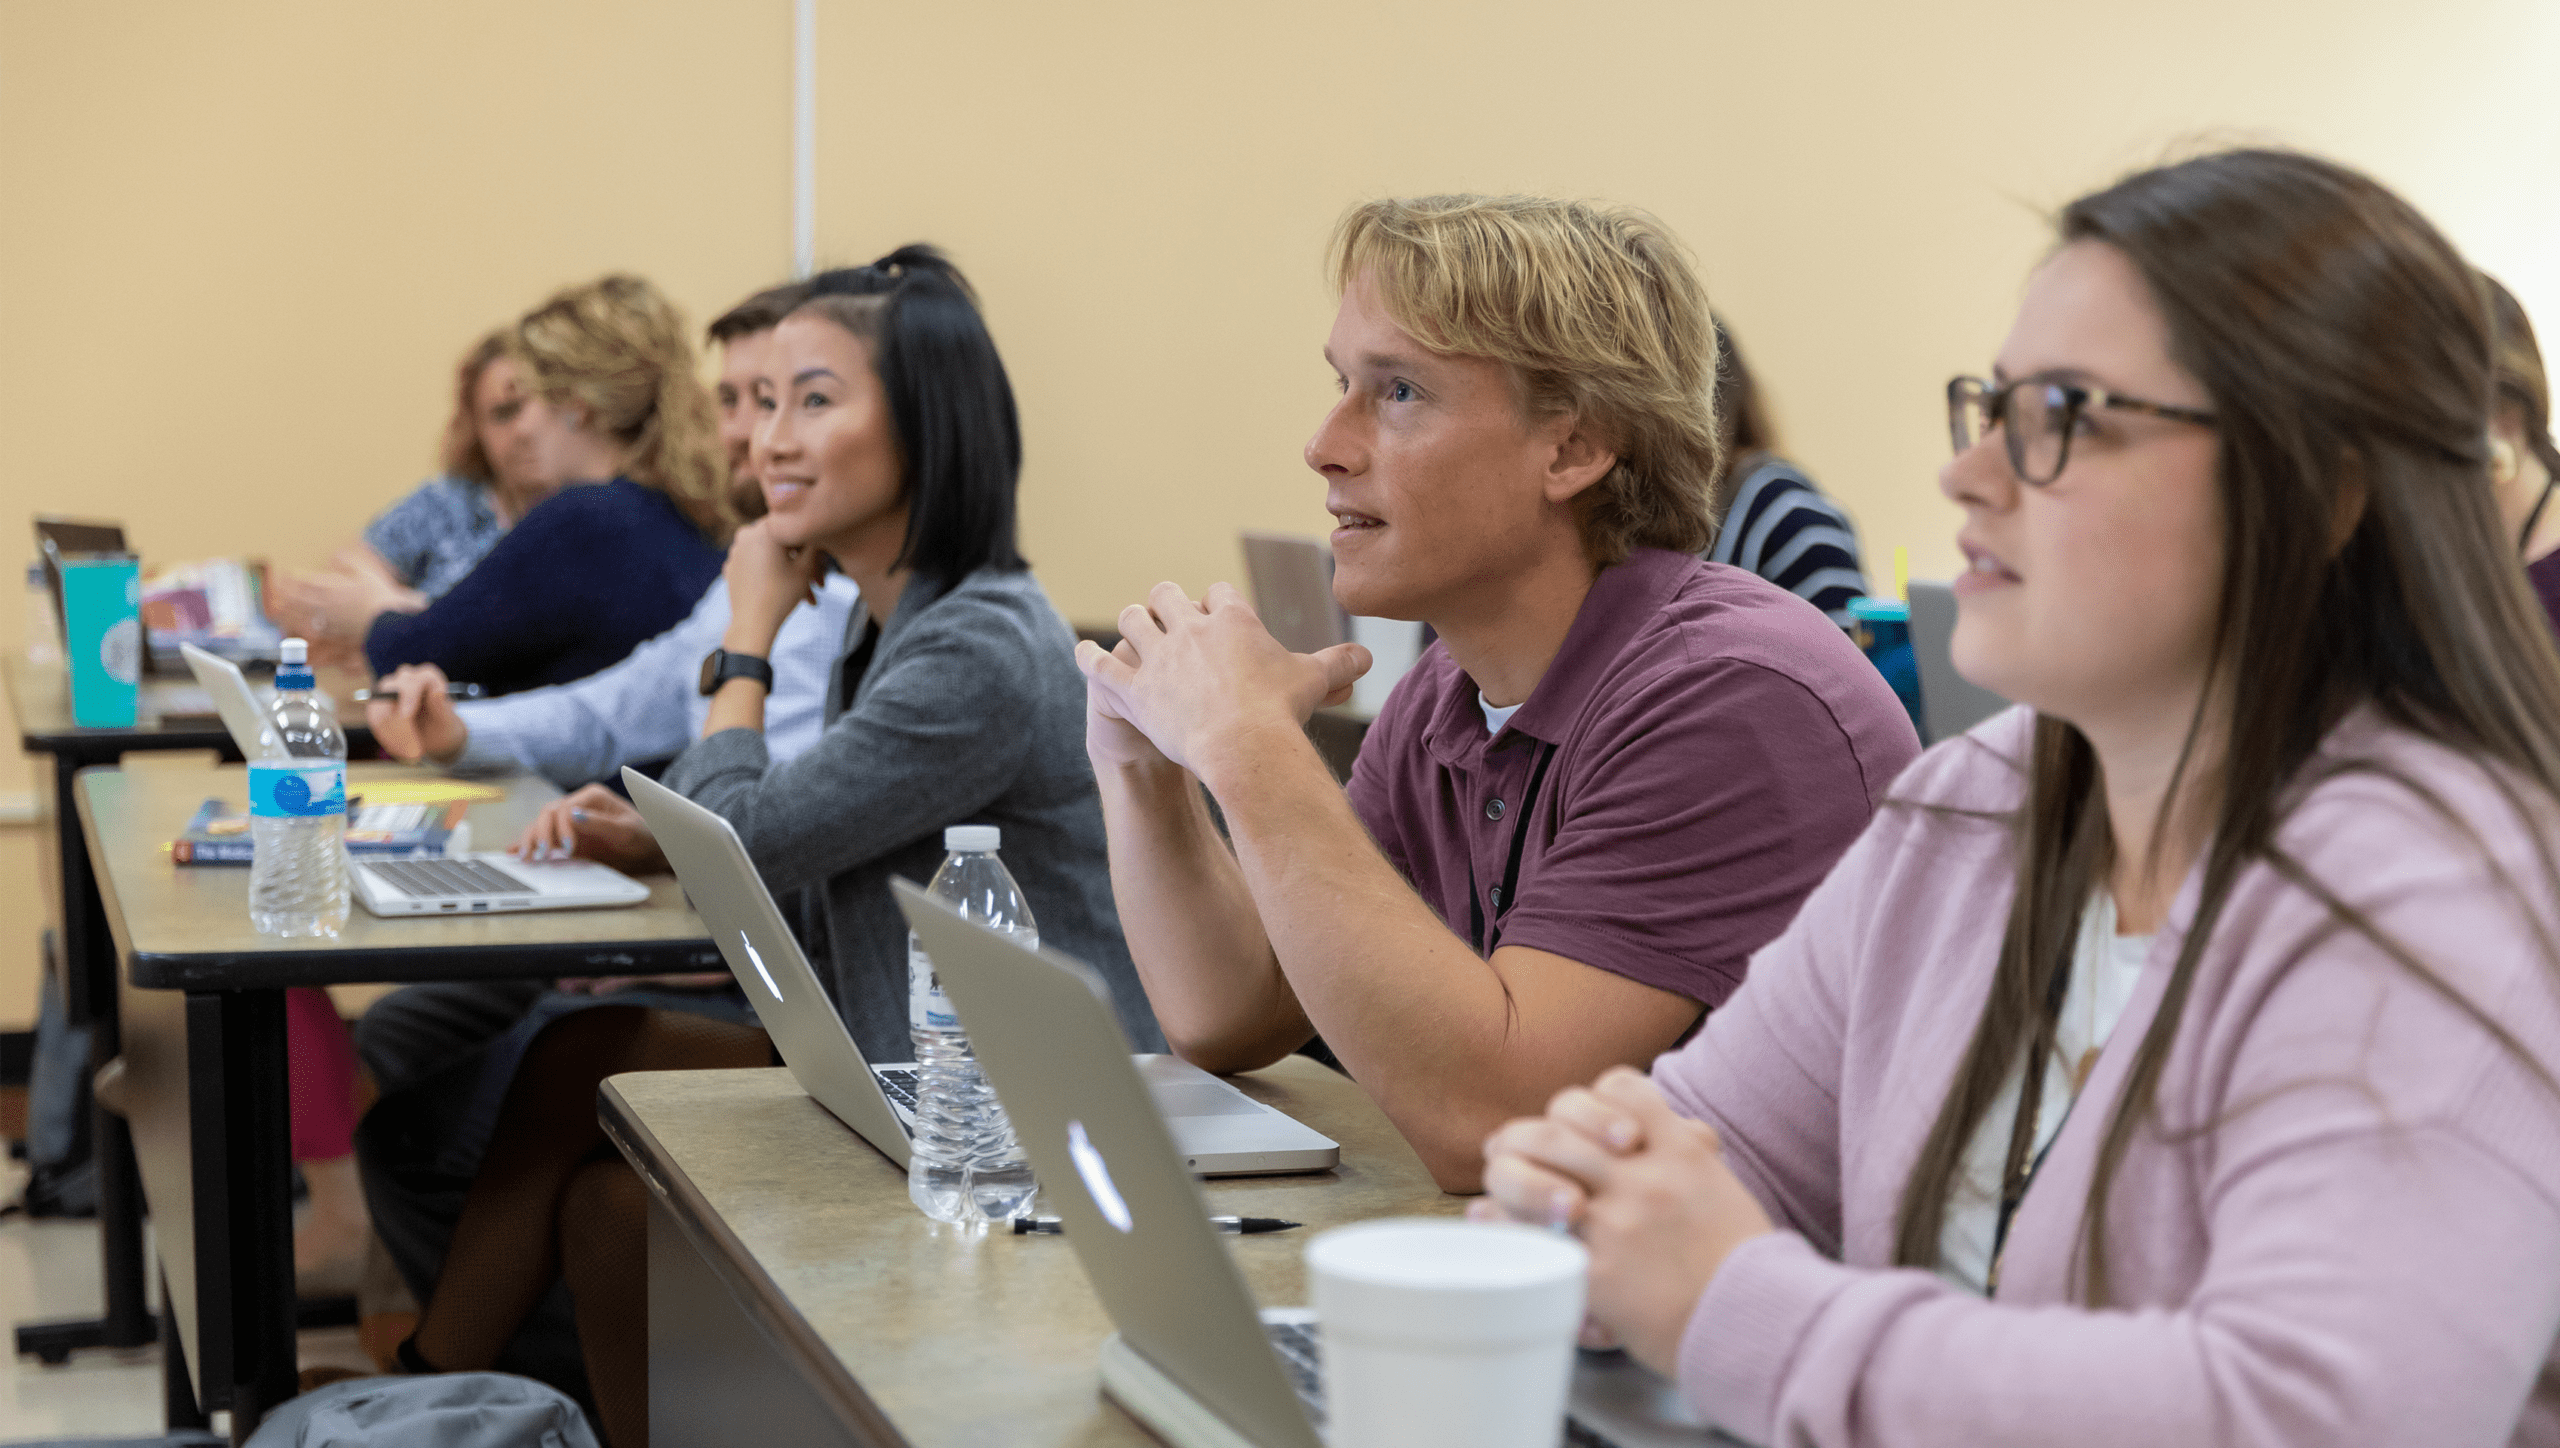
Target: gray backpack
440	1410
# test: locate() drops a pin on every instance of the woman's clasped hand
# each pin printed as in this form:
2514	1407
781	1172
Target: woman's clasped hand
1645	1188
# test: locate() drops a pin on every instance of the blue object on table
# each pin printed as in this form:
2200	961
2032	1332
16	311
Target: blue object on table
1884	633
102	634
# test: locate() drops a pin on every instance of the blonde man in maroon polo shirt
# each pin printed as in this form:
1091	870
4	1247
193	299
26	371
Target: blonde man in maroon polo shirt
1615	775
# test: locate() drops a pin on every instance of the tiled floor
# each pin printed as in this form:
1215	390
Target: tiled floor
50	1269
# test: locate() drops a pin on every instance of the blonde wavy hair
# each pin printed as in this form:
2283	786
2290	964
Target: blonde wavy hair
619	349
1597	312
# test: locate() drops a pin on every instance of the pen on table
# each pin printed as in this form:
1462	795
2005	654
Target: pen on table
1232	1226
451	691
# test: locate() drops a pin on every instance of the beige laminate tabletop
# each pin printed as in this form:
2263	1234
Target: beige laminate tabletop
187	927
959	1340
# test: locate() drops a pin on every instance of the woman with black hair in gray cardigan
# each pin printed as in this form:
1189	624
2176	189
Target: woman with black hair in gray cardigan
889	447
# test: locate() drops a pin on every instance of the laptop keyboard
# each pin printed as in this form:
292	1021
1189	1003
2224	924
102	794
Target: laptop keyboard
1303	1360
899	1084
1302	1357
438	879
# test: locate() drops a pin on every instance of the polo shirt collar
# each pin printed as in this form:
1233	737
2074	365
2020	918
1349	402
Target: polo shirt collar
1621	599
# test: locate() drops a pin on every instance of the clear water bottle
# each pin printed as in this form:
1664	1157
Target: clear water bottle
966	1167
298	810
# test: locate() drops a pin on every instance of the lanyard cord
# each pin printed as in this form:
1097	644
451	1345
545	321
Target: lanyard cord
1510	886
2023	1151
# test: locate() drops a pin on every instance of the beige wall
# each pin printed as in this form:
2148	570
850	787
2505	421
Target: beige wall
241	242
1144	189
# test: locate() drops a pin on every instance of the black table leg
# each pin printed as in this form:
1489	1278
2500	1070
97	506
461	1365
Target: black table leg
89	998
256	1124
177	1391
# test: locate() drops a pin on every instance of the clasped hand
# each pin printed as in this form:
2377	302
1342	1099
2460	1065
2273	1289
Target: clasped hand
1192	677
1645	1188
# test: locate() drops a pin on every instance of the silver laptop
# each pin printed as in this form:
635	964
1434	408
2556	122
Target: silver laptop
1223	1132
1192	1359
1949	702
486	883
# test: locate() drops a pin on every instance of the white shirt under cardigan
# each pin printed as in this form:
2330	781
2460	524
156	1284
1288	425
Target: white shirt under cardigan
650	705
2105	967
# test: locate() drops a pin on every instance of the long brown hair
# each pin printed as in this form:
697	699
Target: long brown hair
618	346
2346	347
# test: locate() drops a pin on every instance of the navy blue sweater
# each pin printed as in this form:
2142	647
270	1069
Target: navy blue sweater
583	579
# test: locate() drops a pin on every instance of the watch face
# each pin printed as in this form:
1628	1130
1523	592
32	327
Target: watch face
710	672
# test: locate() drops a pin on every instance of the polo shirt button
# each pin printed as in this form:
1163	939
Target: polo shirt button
1497	897
1493	809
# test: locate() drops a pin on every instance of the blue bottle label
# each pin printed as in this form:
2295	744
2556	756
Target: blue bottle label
297	791
928	1009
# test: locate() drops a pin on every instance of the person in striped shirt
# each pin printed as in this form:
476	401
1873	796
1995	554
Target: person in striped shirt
1772	520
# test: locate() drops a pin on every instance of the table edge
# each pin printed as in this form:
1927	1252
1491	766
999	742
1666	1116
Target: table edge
728	1259
151	970
516	960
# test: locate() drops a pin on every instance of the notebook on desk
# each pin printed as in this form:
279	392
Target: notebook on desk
1192	1359
484	883
1224	1132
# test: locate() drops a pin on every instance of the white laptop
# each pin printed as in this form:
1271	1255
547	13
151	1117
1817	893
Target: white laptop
1223	1131
1192	1358
485	883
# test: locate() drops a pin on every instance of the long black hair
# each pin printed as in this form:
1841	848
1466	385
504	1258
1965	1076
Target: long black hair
959	436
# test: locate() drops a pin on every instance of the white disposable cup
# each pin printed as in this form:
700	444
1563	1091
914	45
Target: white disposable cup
1439	1331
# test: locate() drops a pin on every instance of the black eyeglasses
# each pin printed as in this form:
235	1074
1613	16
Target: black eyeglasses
2037	416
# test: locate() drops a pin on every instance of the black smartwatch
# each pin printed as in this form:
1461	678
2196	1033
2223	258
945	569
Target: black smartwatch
720	666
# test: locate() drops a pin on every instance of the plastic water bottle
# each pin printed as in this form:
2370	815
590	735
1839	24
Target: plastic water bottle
966	1167
298	810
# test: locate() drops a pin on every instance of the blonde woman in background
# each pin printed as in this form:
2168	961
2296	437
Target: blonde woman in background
419	547
632	538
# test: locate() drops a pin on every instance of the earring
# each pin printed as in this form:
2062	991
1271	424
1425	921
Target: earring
2502	461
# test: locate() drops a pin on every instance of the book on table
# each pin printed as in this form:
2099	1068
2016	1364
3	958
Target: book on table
395	831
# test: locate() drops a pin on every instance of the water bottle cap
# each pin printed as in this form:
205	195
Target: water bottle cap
972	839
294	653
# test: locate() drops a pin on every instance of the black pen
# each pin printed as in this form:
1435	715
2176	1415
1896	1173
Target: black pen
1232	1226
451	691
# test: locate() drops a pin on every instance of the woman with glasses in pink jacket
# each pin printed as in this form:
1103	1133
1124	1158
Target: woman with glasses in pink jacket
2173	1059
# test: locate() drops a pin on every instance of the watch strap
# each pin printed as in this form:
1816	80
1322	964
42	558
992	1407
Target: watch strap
721	666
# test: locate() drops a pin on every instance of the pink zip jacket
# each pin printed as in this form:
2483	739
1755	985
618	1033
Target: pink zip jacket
2351	1235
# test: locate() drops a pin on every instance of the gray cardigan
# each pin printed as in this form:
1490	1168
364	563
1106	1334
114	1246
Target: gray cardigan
968	710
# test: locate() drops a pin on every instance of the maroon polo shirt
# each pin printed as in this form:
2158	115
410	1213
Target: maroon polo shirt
1705	745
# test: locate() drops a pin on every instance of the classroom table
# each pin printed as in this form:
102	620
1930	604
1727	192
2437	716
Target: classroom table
171	714
200	1074
797	1296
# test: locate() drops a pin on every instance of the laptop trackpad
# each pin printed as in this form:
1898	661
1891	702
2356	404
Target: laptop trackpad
1193	1098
